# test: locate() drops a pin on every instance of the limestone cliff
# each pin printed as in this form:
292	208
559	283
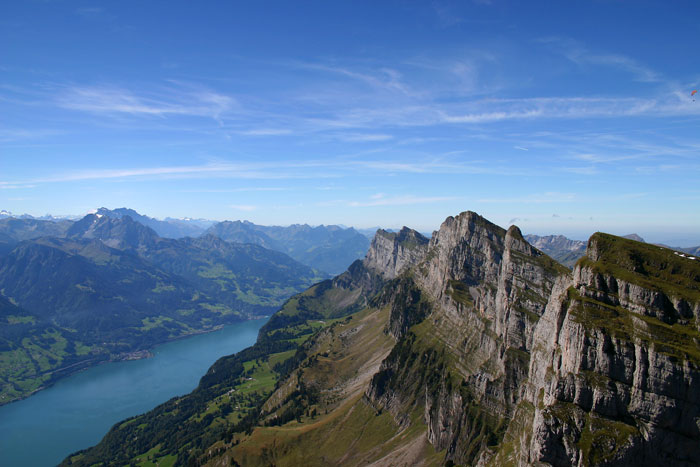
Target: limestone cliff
390	253
464	364
615	376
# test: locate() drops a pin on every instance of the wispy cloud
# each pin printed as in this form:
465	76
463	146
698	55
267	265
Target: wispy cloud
580	170
254	171
365	137
538	198
115	100
8	135
577	53
266	132
14	186
638	71
243	207
383	79
237	190
381	200
89	11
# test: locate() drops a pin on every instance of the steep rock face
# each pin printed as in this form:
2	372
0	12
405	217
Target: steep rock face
390	253
462	367
615	375
519	361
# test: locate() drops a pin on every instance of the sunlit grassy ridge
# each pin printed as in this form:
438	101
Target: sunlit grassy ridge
651	266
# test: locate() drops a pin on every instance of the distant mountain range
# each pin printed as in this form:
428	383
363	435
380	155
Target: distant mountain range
168	228
106	286
13	231
327	248
330	248
47	217
560	248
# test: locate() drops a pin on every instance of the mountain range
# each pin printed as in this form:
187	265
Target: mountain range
327	248
105	287
562	249
168	228
330	249
472	347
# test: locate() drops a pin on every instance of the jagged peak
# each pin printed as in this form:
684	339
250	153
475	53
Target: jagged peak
515	241
469	221
392	252
514	232
406	237
118	232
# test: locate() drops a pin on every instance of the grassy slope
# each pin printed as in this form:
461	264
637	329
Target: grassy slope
230	396
338	425
34	354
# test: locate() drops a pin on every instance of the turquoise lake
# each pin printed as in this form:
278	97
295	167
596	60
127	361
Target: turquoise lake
77	411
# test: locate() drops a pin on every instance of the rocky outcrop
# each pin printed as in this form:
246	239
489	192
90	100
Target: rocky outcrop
390	253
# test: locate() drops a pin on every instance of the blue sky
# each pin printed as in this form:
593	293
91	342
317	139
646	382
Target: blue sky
561	117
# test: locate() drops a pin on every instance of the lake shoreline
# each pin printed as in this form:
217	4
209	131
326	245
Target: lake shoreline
138	354
77	411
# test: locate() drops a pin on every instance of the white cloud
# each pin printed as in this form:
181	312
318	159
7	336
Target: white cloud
115	100
401	200
89	11
548	197
365	137
243	207
8	135
266	132
580	170
237	190
14	186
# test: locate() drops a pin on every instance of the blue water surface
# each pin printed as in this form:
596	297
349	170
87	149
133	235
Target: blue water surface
77	411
